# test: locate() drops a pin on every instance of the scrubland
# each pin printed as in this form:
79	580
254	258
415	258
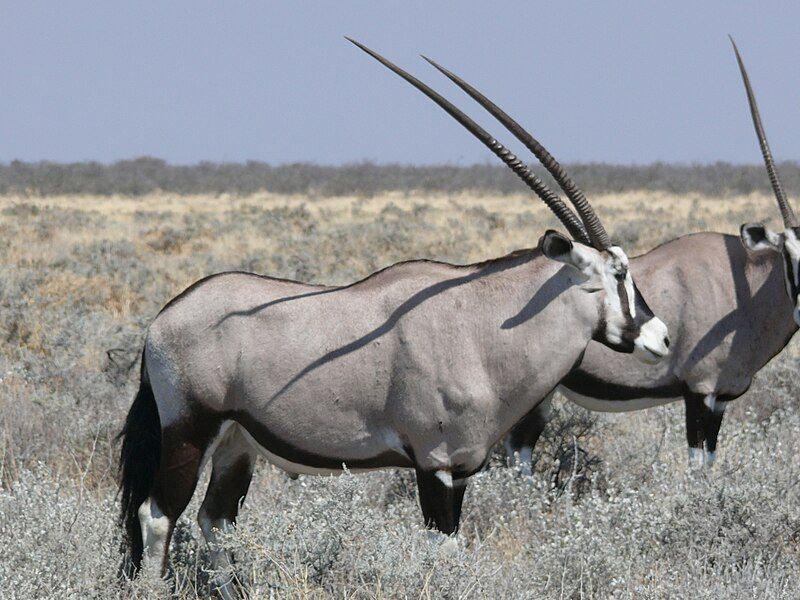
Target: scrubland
610	510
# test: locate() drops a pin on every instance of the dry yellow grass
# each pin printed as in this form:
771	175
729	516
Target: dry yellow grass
121	216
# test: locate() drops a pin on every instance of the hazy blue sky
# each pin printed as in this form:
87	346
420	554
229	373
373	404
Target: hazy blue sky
618	82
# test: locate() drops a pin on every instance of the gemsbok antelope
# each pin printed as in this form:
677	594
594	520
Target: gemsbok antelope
422	365
736	301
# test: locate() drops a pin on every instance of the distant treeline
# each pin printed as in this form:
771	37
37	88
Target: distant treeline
145	175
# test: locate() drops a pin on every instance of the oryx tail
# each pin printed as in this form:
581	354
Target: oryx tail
139	458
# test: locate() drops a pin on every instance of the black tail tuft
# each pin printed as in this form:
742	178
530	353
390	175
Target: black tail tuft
138	464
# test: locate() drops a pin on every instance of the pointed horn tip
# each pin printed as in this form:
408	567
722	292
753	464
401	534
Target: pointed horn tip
352	41
430	60
370	52
735	48
437	66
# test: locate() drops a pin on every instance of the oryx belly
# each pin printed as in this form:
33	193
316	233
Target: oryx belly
601	405
304	469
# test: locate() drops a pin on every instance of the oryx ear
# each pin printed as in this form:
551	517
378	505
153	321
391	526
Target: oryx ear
757	237
558	247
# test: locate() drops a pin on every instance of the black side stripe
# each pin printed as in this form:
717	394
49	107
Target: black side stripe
592	386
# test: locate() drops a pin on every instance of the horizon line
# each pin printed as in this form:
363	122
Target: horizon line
380	164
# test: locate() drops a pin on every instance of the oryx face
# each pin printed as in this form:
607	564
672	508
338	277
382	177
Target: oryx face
626	323
756	237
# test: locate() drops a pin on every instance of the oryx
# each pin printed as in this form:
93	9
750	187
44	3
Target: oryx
736	303
423	365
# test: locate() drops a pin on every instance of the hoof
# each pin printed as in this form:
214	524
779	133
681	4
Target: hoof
696	459
449	546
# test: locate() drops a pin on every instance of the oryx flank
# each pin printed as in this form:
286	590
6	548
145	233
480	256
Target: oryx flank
423	365
736	301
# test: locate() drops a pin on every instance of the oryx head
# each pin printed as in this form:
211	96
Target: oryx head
626	323
755	236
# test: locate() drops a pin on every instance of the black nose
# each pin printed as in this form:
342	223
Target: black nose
666	341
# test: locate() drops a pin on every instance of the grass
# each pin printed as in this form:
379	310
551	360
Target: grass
82	276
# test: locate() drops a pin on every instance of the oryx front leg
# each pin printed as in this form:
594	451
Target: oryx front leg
521	440
695	430
440	497
703	420
716	410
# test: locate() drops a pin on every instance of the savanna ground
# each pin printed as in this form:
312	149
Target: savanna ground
609	512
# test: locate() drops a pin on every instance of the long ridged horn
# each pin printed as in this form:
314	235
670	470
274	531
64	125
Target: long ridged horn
594	227
789	218
561	210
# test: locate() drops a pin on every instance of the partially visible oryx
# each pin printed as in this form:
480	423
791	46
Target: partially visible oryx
424	365
735	306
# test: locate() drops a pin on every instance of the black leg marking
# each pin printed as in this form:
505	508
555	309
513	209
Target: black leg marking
713	423
459	487
702	424
440	503
695	413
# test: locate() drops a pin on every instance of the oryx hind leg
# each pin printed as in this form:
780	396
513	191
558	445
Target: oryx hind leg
231	472
182	447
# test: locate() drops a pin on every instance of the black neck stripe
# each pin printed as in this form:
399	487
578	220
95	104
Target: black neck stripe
787	260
